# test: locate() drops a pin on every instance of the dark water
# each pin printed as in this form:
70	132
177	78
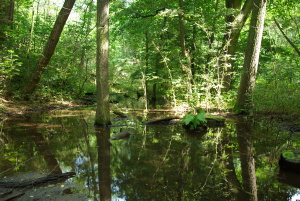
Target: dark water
156	162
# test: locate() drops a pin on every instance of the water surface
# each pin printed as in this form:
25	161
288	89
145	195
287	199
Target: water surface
157	162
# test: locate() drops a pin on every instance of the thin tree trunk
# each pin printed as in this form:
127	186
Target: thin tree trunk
234	25
6	19
102	94
244	99
186	66
49	48
181	29
287	38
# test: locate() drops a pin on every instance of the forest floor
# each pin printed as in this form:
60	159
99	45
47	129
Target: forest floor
289	122
13	107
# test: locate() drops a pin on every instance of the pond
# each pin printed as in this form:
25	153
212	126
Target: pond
157	162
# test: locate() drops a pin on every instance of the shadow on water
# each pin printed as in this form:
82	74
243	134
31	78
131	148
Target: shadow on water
157	162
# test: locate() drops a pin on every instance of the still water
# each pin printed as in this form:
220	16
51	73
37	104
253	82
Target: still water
157	162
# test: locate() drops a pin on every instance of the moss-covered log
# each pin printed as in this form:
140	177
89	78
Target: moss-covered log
290	161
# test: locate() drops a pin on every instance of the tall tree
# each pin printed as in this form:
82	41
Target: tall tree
53	39
186	66
102	94
235	21
244	100
6	19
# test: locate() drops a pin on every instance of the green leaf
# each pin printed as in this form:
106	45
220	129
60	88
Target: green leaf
188	118
201	116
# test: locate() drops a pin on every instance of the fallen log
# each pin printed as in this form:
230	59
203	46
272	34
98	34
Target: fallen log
165	120
38	181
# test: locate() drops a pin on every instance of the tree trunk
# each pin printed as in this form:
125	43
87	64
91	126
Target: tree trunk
181	29
244	99
102	94
6	19
234	25
49	48
185	65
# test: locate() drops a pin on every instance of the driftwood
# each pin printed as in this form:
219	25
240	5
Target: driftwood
38	181
165	120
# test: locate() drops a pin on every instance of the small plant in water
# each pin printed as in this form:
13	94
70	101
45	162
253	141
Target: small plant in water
193	121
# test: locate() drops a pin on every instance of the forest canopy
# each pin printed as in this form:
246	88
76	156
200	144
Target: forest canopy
180	53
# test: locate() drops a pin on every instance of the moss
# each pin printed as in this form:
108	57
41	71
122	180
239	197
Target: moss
101	122
288	155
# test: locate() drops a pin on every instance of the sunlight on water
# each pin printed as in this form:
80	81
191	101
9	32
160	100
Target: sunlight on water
296	197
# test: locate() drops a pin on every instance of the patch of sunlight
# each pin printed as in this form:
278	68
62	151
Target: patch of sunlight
296	197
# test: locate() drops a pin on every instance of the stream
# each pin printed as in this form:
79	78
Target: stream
157	162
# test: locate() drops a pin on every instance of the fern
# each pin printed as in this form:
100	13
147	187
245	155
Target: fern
194	120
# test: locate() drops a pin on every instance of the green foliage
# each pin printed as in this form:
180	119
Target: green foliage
193	121
145	52
288	155
9	63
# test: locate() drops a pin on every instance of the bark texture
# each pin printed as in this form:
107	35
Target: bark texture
244	100
102	110
234	23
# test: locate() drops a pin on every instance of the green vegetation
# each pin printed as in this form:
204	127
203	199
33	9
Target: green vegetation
193	121
180	53
288	155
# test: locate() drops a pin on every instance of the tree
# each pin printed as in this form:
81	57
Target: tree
49	48
235	21
6	19
287	38
102	94
244	100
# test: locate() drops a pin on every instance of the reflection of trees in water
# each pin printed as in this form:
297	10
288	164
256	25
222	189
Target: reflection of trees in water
103	134
156	162
244	136
165	162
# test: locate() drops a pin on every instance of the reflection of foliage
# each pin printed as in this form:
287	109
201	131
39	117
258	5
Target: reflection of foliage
157	162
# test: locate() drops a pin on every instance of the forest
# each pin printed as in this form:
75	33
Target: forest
149	100
224	55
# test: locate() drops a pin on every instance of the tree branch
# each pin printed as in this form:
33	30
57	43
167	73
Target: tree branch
286	37
138	15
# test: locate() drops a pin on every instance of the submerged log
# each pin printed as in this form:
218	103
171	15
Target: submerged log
165	120
215	122
38	181
290	161
120	114
121	135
